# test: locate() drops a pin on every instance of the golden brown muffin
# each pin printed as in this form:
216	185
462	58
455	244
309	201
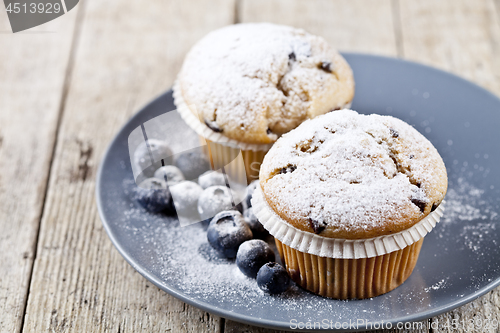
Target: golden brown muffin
351	176
253	82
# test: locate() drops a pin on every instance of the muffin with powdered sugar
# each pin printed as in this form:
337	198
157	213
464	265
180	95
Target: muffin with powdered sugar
350	190
245	85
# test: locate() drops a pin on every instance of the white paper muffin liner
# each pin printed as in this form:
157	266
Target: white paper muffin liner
339	248
203	130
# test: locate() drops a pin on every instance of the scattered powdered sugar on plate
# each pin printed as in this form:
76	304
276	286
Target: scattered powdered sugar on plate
467	207
206	270
465	203
438	285
183	260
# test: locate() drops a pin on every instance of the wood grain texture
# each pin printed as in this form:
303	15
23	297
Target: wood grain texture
32	74
462	37
128	53
459	36
349	25
234	327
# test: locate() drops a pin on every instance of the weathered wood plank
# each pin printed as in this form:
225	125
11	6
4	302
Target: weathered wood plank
128	52
234	327
33	68
350	25
461	36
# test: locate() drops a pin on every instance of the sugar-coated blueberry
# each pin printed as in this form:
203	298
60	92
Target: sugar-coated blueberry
227	231
142	157
192	164
170	173
213	200
248	194
185	198
153	195
273	278
211	178
258	229
252	255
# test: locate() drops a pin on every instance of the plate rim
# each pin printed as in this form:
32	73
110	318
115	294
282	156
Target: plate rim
260	322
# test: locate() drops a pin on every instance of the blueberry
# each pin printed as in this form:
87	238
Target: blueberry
257	228
185	198
227	231
211	178
171	174
213	200
252	255
248	194
153	195
273	278
192	164
142	157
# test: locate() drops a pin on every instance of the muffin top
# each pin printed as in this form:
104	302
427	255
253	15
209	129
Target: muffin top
254	82
351	176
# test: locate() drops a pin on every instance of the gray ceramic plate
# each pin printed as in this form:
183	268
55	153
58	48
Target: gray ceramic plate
460	258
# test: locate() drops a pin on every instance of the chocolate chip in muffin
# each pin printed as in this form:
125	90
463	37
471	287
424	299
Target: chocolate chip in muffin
316	226
419	203
326	66
213	126
309	146
411	156
288	169
434	206
269	131
394	133
292	56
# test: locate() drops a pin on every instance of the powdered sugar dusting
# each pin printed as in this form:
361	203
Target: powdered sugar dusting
353	173
465	203
438	285
252	82
184	260
475	215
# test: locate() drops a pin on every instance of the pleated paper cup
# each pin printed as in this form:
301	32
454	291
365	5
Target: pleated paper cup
345	268
222	149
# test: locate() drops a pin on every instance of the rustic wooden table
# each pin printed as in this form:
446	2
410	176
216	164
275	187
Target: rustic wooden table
67	87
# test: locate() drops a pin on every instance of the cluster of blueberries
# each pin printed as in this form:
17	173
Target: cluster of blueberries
230	228
232	234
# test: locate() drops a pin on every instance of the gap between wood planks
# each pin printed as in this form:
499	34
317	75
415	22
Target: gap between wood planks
398	27
496	4
62	104
237	11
